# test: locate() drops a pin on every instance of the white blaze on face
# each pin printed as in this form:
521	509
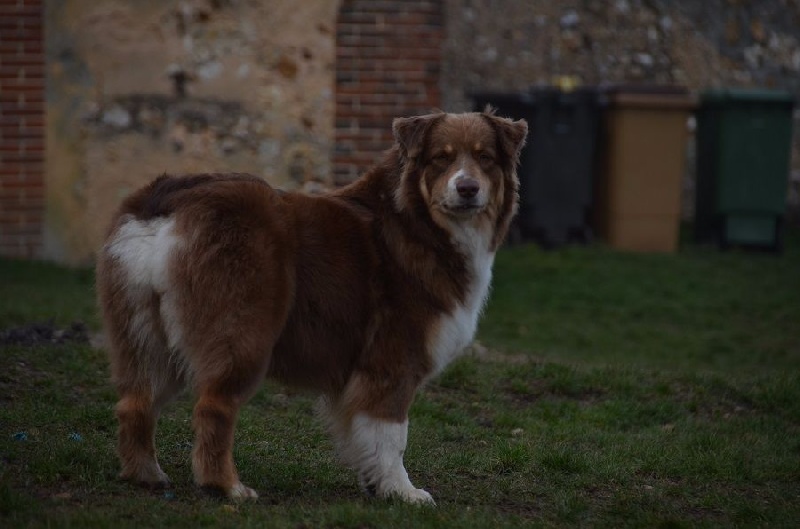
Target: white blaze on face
453	199
452	192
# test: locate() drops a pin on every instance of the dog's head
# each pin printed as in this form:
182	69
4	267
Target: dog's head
461	167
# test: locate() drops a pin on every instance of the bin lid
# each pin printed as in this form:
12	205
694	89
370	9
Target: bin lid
549	91
517	101
650	96
644	89
535	96
746	95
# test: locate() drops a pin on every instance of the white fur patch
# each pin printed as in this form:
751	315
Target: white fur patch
451	184
144	249
240	492
375	449
456	330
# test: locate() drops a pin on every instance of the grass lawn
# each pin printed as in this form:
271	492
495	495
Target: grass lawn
617	390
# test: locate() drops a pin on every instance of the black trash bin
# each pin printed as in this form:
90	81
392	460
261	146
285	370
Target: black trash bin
557	163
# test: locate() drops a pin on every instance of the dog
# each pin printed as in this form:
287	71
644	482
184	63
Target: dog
216	281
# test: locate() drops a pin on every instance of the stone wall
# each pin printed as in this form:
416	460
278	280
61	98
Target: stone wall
509	45
512	45
141	87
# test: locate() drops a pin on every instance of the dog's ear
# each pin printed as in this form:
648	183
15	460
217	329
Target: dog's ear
510	134
410	132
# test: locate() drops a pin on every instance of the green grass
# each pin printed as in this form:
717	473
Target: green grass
618	390
34	291
699	309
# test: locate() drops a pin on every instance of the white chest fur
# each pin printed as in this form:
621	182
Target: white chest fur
455	330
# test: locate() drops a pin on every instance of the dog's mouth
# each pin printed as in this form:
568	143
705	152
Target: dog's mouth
463	209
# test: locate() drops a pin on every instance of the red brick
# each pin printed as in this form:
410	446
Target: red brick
20	147
26	230
28	121
20	72
24	59
22	85
7	218
20	133
9	47
22	158
8	168
18	33
29	7
30	208
33	123
387	56
14	110
32	22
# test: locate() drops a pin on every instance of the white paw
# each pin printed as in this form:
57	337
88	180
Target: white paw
159	477
412	495
149	476
240	492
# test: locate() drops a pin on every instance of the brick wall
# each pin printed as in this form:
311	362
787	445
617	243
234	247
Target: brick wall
388	57
21	127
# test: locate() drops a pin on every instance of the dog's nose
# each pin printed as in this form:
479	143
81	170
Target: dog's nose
467	187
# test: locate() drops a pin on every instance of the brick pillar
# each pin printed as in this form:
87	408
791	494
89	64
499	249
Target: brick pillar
22	127
388	56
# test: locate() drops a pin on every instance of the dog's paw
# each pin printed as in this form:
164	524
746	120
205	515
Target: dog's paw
240	492
150	476
413	496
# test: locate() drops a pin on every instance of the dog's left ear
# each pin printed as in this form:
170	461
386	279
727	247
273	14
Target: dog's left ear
510	134
410	132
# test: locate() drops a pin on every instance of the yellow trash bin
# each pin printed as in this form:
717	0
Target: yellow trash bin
642	163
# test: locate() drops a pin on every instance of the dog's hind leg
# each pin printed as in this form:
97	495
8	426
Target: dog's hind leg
137	412
214	420
221	392
145	377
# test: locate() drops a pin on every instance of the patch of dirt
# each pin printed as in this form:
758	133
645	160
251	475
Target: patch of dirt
538	390
711	401
45	333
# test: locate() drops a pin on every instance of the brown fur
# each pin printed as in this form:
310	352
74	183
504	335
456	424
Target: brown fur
337	293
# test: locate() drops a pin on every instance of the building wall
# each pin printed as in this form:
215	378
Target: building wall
22	115
137	88
304	93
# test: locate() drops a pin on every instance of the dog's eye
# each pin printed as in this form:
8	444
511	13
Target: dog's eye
441	159
485	159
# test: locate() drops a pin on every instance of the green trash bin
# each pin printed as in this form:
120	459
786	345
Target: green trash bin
743	150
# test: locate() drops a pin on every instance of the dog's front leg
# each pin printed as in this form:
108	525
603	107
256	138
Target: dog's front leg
376	447
369	424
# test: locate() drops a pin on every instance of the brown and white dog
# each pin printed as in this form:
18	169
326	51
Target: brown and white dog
216	281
